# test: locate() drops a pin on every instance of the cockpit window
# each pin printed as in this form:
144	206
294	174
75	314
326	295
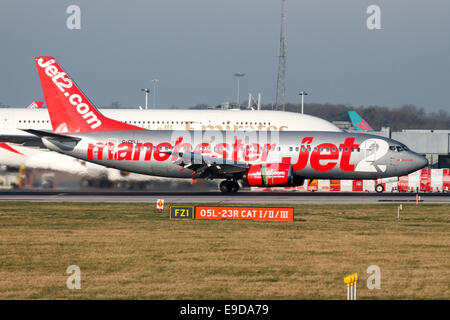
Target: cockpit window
399	149
392	148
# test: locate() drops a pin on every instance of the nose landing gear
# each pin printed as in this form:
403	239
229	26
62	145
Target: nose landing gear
229	186
379	188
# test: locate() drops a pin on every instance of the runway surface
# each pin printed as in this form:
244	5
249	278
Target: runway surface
217	197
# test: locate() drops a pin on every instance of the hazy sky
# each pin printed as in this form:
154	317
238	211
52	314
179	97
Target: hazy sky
195	46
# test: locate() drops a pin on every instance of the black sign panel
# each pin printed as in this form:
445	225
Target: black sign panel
181	212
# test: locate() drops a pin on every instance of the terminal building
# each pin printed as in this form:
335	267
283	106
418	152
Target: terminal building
433	144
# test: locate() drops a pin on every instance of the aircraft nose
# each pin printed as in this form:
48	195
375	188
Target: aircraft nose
420	161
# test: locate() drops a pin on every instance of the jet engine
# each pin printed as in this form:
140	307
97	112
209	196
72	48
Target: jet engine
272	175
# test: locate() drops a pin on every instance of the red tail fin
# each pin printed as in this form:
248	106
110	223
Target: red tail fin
69	109
36	105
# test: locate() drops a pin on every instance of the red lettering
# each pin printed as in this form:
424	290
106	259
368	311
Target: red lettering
148	152
184	147
90	151
266	149
137	152
346	153
221	150
250	150
236	146
157	154
111	147
203	147
124	152
303	154
317	156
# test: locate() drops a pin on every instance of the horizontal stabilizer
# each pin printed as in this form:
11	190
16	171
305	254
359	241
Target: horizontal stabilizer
52	135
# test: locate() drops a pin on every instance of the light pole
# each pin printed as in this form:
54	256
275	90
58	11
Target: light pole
147	91
238	75
303	94
155	82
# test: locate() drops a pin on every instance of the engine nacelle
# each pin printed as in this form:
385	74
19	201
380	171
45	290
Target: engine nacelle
272	175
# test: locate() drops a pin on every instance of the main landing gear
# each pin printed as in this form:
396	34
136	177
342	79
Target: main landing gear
229	186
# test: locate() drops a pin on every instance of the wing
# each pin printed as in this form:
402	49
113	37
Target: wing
209	167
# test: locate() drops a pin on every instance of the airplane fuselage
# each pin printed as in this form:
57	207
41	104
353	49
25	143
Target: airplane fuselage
321	155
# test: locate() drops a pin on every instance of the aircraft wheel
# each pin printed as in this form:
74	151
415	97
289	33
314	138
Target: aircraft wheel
379	188
225	186
234	186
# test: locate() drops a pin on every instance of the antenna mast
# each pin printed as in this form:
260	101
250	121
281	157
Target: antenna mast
281	80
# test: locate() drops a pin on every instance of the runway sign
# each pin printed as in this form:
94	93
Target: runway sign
245	213
181	212
160	205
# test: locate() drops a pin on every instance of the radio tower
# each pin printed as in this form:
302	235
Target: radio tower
281	80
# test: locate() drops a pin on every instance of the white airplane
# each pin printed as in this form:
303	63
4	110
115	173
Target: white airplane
28	151
12	119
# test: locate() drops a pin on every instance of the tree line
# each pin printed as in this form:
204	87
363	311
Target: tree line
407	116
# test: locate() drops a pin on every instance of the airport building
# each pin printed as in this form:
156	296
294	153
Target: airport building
433	144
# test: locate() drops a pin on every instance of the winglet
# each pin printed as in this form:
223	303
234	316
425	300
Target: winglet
47	134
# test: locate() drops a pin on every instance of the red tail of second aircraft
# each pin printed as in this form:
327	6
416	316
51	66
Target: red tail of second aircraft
36	105
69	109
